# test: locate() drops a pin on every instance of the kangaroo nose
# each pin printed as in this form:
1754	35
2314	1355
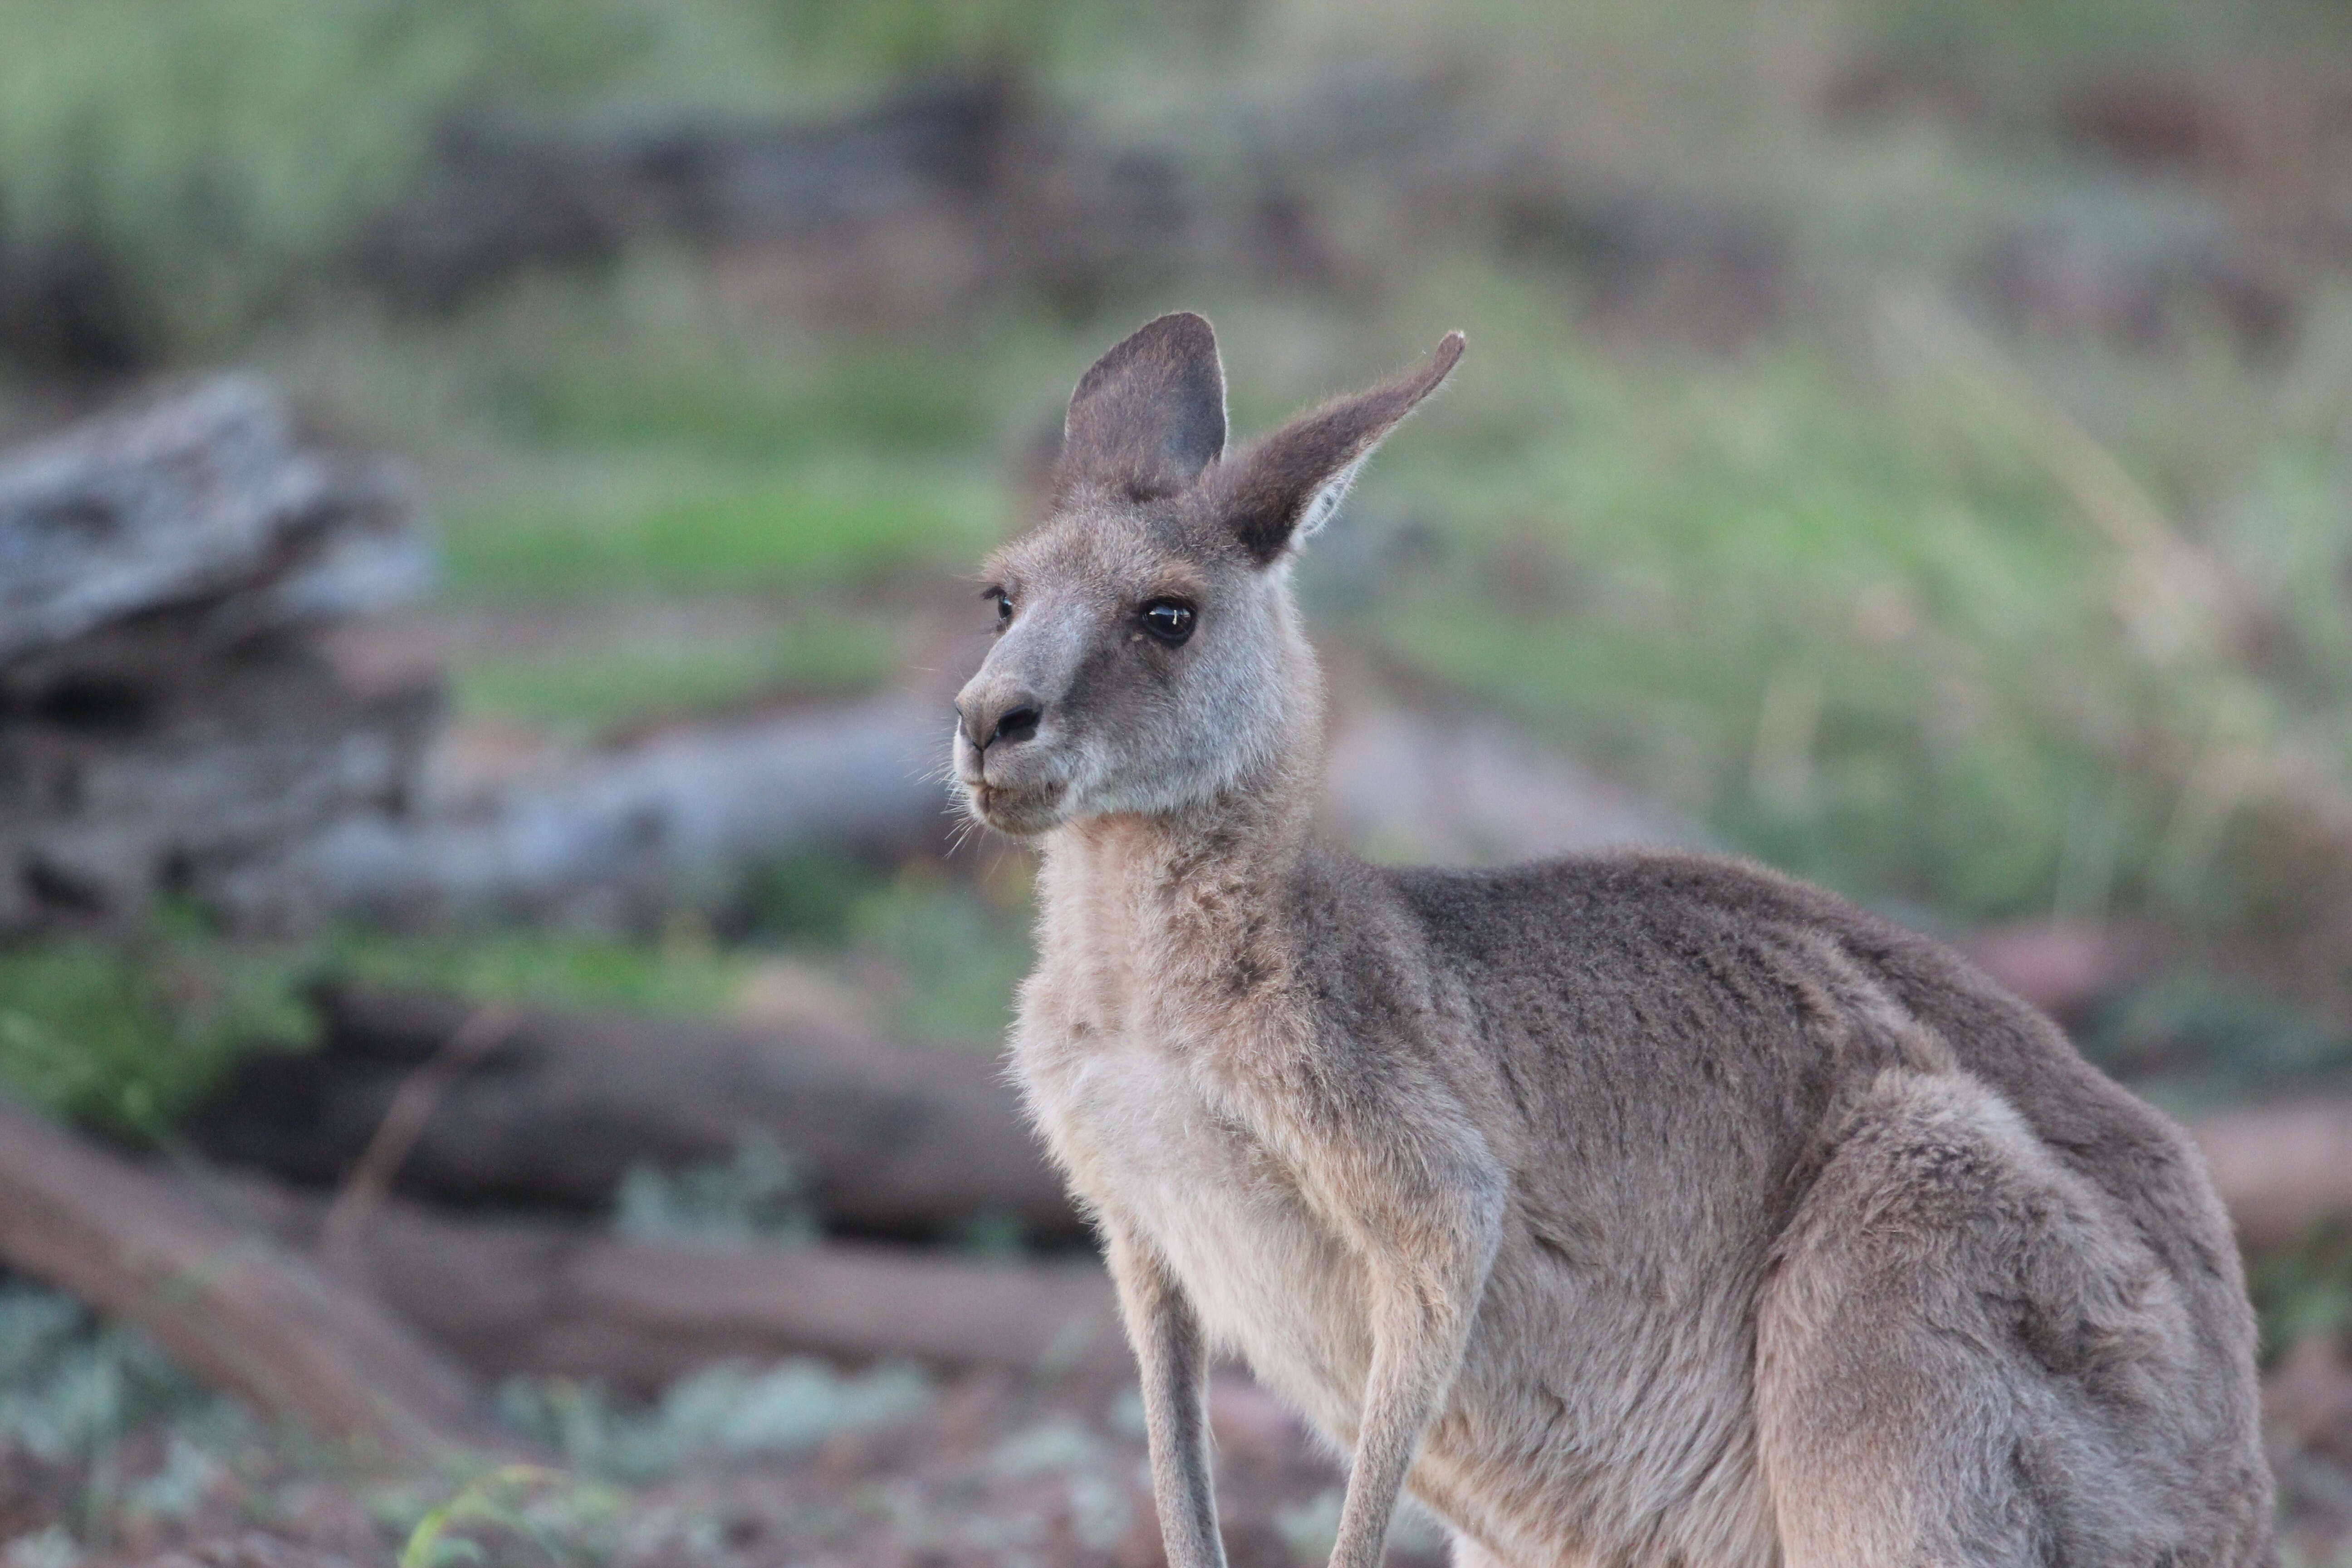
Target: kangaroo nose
1004	721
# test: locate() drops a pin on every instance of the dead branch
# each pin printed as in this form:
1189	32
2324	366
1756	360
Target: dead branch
238	1313
412	1104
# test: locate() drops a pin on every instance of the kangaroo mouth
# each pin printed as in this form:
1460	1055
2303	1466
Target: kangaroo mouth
1021	810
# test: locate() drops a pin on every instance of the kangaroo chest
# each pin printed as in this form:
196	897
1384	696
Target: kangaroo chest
1138	1125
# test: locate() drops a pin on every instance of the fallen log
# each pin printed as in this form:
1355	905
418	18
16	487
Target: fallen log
170	720
625	836
887	1141
243	1316
512	1296
891	1142
204	500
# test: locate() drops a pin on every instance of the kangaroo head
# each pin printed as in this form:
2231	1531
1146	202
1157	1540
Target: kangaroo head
1148	656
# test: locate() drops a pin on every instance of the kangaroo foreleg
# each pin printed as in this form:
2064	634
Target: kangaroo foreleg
1428	1266
1173	1355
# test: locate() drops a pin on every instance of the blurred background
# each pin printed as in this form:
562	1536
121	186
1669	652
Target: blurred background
487	510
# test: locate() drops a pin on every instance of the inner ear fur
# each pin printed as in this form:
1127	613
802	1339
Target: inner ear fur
1150	415
1287	483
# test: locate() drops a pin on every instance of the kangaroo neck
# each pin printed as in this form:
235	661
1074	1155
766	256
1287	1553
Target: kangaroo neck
1184	914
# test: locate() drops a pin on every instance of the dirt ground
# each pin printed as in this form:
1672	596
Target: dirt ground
991	1469
983	1469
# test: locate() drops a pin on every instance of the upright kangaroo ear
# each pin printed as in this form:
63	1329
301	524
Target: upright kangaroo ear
1289	483
1150	415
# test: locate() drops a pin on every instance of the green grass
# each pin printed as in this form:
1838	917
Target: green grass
949	954
681	528
685	973
740	399
2303	1291
125	1037
810	653
937	957
1749	590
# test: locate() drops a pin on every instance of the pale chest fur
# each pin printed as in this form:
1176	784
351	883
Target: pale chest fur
1119	1052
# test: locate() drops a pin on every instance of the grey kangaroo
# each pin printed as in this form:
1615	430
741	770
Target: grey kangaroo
1631	1209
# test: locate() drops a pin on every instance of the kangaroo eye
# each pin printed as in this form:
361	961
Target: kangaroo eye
1003	606
1169	620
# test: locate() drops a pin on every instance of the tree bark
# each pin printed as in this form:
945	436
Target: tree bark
238	1313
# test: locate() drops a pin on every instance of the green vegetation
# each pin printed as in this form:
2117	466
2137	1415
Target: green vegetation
789	1408
798	652
125	1039
2304	1292
684	973
73	1390
755	1195
673	529
936	956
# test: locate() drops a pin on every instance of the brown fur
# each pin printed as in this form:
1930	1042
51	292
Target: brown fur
1631	1209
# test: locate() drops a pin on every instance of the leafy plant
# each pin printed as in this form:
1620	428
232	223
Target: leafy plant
720	1411
515	1498
684	974
754	1195
127	1037
72	1389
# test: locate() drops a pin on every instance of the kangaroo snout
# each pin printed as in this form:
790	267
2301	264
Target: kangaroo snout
1007	782
999	717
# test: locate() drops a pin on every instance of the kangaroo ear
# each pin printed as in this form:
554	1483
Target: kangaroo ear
1150	415
1288	484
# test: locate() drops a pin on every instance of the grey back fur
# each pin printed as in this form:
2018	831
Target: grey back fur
1631	1209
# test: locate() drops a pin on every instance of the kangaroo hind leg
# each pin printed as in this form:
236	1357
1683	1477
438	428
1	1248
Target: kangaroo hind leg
1964	1356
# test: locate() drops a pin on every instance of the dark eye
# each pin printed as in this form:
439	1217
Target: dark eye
1003	607
1169	620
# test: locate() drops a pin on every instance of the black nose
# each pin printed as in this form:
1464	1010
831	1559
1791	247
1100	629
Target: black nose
1018	725
1008	721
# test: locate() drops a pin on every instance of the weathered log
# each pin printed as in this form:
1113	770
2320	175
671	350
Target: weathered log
205	499
241	1315
512	1296
167	723
501	199
887	1140
628	834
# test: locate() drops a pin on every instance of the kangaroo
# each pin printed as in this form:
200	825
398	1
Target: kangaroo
1638	1208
